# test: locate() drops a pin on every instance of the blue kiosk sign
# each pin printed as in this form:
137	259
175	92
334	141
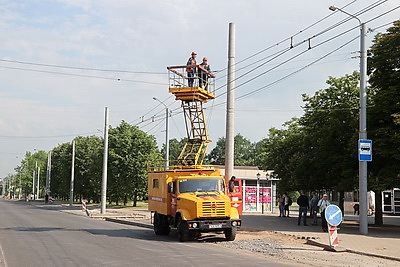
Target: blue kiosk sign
364	150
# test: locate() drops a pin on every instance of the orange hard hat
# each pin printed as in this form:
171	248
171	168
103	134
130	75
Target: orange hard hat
204	58
194	53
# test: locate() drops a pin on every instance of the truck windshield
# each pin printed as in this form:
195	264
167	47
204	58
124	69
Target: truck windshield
201	185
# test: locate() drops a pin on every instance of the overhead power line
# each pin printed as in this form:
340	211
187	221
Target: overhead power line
82	75
287	49
81	68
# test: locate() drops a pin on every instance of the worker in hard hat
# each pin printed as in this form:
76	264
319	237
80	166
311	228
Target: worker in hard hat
204	70
192	70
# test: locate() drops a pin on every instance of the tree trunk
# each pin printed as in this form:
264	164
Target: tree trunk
135	199
378	208
125	200
341	201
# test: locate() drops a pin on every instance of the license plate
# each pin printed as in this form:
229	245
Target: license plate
215	226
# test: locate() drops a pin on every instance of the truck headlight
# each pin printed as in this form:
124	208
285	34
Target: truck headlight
194	225
234	223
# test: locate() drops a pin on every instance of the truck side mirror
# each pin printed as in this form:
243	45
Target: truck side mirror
171	187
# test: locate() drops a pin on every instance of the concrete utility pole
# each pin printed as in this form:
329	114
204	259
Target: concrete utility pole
48	173
20	185
230	105
71	192
34	181
166	133
38	185
105	161
362	167
3	190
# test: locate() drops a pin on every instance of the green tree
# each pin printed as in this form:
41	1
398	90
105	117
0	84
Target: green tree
318	151
384	113
36	162
61	161
88	167
130	149
175	148
282	152
244	152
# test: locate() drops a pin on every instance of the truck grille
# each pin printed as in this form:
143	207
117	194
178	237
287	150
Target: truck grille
213	209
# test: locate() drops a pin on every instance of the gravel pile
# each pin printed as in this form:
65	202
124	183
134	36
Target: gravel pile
263	246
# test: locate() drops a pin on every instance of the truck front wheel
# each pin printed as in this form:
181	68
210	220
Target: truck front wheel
183	230
230	234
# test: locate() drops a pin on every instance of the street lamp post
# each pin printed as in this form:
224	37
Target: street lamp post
268	176
166	133
362	167
261	195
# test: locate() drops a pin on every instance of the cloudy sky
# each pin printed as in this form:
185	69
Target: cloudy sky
63	61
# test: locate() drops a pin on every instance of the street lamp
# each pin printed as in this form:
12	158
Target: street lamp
362	167
166	133
269	177
261	197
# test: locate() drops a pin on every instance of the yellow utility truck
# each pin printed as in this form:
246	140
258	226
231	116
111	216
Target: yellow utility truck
190	196
193	201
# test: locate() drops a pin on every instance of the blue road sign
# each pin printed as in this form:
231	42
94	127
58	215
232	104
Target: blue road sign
364	150
333	215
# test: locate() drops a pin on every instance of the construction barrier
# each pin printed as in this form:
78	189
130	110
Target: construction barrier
333	237
84	208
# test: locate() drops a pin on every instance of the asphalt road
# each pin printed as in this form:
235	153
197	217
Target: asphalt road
32	236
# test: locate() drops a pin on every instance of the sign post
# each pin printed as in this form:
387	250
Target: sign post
334	217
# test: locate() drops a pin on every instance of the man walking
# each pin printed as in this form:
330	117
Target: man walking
314	207
302	201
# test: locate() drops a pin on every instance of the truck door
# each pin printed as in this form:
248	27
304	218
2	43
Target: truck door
173	199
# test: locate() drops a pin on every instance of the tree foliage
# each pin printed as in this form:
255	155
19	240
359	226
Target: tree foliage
130	149
244	152
318	151
384	109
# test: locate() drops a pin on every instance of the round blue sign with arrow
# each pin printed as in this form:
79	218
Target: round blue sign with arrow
333	215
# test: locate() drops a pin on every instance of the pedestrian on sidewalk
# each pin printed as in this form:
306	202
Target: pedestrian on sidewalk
314	208
302	201
281	203
322	205
288	203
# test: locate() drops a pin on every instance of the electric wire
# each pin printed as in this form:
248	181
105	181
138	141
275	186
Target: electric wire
285	50
82	75
295	72
321	43
289	38
81	68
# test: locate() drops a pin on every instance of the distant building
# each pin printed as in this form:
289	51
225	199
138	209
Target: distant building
258	188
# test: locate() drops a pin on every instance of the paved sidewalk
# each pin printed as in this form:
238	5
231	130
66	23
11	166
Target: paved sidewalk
381	242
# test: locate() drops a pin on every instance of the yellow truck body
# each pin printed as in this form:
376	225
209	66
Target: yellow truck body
193	200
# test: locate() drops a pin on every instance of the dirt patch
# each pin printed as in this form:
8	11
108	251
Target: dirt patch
295	250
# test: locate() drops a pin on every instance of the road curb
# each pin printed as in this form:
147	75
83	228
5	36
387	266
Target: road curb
328	248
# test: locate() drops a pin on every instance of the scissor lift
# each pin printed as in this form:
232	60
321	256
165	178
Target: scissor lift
195	149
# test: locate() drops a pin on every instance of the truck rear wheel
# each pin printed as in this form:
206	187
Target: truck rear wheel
230	234
183	230
160	224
